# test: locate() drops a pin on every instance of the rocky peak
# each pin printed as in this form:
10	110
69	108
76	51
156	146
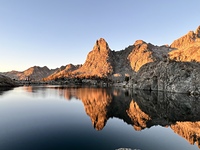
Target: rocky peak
187	39
197	32
139	42
187	47
98	61
101	45
143	53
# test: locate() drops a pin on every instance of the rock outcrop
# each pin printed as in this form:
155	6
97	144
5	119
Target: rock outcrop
171	76
144	53
187	48
178	72
6	82
98	62
185	40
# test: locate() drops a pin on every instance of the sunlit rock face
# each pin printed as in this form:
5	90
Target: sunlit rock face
98	62
185	40
189	130
101	61
187	48
144	53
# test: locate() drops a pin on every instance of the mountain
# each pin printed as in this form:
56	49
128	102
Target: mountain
63	71
98	62
187	48
34	73
101	61
179	72
143	53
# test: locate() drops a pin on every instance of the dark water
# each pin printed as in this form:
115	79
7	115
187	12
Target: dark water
45	118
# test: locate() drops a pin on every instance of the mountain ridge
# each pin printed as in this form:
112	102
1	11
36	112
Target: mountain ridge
104	62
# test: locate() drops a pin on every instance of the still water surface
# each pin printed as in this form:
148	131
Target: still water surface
49	117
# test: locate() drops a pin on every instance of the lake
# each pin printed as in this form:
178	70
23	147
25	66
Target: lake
63	118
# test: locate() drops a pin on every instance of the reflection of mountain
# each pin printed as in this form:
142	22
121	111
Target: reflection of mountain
178	111
189	130
143	110
140	109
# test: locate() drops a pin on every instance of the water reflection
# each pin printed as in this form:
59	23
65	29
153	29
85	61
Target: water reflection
4	89
140	109
178	111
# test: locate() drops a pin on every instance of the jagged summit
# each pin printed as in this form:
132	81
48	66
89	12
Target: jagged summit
197	32
98	61
187	48
101	45
139	42
190	38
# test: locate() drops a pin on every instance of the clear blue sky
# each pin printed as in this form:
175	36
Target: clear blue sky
58	32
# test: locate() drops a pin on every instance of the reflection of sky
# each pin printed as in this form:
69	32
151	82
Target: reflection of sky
33	121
